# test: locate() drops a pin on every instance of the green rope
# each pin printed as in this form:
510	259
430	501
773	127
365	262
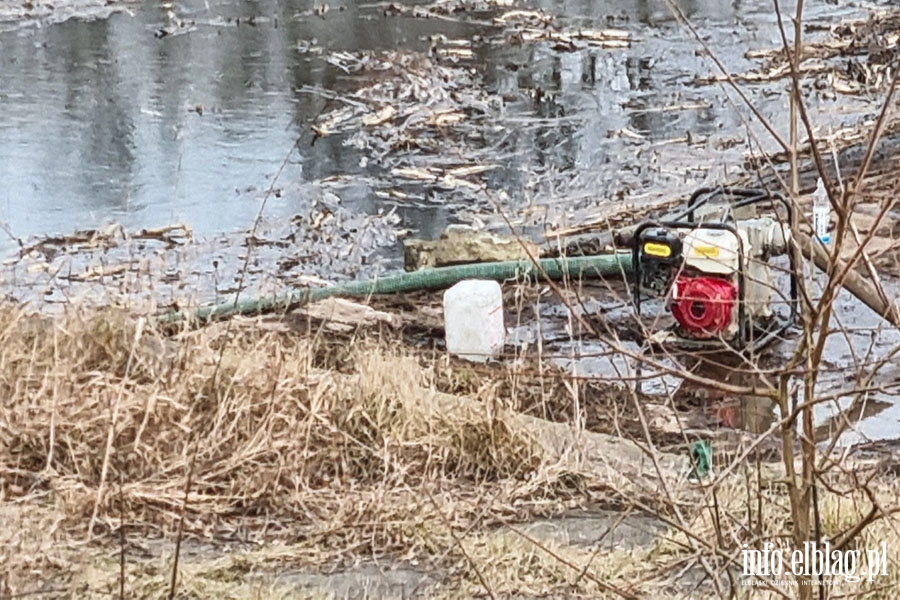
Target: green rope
607	265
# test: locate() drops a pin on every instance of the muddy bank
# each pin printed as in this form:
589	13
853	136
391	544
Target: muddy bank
370	475
496	118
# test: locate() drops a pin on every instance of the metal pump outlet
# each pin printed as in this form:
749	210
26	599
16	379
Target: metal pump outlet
722	269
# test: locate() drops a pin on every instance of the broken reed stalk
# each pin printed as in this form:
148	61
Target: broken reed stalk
122	539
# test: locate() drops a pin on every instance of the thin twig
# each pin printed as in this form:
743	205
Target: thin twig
487	588
173	582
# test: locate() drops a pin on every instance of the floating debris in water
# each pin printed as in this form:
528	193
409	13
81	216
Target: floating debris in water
856	59
172	266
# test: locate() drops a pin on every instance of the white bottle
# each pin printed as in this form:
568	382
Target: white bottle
821	213
473	319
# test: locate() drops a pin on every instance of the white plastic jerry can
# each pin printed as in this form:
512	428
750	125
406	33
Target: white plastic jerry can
473	320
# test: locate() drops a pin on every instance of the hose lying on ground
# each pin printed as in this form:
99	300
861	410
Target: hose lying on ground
608	265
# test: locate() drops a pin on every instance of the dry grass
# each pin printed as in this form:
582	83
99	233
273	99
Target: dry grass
307	453
258	414
747	510
328	447
102	415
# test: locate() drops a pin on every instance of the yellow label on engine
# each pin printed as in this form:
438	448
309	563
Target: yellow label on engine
660	250
707	251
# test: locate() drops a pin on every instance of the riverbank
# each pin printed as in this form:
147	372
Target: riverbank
293	464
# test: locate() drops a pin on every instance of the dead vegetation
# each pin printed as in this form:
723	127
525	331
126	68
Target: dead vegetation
855	57
56	11
339	450
292	452
426	118
413	106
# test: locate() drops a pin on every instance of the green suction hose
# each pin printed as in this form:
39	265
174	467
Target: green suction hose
607	265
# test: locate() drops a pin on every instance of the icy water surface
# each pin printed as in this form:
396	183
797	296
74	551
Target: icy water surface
111	120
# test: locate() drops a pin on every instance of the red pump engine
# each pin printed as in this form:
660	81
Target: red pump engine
703	305
711	268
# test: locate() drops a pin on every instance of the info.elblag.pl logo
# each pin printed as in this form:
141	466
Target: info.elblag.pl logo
776	566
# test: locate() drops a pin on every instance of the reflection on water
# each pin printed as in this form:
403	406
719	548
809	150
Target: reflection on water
103	120
108	120
754	414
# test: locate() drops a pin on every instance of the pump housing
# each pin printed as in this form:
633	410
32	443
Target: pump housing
714	269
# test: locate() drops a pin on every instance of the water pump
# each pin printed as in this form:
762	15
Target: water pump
714	268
